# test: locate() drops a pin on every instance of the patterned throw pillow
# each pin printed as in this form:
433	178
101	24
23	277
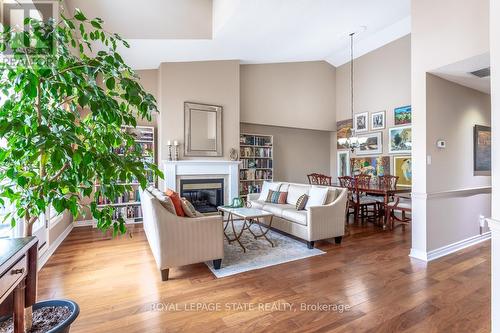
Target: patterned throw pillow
277	197
302	202
163	199
188	208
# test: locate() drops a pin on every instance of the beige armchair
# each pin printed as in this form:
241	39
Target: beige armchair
178	241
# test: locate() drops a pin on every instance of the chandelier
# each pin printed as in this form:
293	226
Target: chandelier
352	142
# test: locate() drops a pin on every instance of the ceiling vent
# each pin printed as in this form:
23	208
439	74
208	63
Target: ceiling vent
482	73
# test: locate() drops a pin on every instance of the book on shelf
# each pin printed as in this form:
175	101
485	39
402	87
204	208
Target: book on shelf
255	174
128	197
255	140
256	164
255	152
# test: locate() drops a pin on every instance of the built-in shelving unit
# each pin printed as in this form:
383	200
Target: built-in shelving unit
256	156
129	205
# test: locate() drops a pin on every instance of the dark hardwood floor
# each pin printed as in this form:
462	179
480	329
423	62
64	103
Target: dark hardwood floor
118	287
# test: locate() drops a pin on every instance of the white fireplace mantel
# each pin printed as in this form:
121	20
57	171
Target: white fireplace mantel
173	170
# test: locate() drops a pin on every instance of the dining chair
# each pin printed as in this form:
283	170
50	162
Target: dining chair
349	183
388	181
319	179
369	206
402	205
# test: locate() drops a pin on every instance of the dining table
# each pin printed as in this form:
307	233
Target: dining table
383	191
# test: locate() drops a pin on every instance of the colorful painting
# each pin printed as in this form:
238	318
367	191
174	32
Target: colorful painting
375	166
378	120
400	140
482	150
402	169
402	115
370	144
344	128
343	164
361	122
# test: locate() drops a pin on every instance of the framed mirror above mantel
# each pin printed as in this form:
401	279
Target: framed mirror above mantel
202	130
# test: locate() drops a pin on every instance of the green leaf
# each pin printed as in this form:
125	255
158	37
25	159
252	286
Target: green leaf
110	83
79	15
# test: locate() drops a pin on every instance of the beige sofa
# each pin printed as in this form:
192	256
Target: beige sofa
316	223
178	241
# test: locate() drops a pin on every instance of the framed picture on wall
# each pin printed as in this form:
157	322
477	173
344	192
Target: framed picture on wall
378	120
344	128
370	144
361	122
400	140
482	150
402	115
343	163
402	169
371	165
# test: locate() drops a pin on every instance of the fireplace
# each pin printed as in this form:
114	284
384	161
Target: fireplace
205	194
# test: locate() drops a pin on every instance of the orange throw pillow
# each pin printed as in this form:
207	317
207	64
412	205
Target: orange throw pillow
176	200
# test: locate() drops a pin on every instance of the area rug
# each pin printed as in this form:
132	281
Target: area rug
259	252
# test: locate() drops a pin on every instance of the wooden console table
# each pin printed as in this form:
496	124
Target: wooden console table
18	271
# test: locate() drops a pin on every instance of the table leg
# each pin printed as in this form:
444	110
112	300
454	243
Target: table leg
237	236
386	202
263	233
19	308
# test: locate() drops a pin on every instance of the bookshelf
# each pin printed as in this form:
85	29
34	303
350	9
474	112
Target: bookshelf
256	156
129	205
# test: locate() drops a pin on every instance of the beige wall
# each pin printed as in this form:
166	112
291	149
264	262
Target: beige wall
443	32
149	80
382	81
297	152
455	110
300	95
207	82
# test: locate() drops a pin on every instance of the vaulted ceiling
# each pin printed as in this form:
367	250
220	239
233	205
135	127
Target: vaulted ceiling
253	31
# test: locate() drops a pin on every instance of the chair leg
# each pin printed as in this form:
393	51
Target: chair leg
217	263
310	245
338	240
164	274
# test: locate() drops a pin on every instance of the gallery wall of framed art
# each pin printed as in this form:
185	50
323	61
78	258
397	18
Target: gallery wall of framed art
388	145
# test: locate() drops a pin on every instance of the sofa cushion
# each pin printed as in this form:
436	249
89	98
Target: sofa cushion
176	200
277	197
317	196
257	204
297	216
188	208
295	191
333	193
302	202
266	186
166	202
275	209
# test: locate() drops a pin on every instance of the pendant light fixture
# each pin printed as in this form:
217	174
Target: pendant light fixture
352	142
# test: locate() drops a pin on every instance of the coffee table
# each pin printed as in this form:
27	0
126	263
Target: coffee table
250	216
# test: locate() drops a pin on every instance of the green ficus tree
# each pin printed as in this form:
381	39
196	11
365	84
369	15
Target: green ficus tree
63	106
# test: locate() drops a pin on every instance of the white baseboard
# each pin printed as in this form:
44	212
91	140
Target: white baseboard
449	249
53	247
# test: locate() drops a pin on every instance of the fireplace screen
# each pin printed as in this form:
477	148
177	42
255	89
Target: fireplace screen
205	194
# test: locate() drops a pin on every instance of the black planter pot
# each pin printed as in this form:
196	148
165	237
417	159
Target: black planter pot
64	326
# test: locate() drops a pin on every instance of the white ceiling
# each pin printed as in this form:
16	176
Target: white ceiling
259	31
460	73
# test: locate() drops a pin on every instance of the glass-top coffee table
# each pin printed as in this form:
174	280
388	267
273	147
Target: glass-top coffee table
250	216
